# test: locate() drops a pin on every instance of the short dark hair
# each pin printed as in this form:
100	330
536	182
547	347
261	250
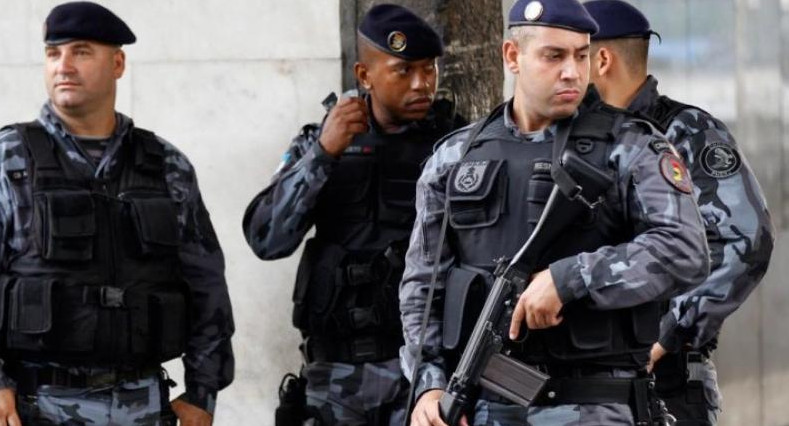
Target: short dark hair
634	51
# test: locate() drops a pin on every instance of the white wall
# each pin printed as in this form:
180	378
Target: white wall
229	83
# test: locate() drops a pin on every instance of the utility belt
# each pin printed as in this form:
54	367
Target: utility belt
30	377
357	350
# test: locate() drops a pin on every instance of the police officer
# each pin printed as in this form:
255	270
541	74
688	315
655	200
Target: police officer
353	178
591	308
110	263
740	234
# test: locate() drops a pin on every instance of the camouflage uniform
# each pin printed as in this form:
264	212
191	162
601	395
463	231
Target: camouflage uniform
275	224
669	254
208	361
739	233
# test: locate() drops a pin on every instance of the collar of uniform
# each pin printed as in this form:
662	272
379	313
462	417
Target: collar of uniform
536	137
55	126
645	97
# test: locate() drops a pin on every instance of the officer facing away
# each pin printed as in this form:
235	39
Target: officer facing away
739	232
592	309
110	262
353	178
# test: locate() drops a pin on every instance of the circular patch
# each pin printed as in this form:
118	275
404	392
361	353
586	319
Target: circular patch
720	160
674	171
533	11
397	41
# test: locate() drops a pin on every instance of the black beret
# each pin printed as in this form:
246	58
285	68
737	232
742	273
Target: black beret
618	19
566	14
82	20
399	32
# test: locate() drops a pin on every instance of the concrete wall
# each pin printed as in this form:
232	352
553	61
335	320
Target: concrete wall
228	82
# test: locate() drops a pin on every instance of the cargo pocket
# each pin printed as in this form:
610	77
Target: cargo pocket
66	223
155	222
318	282
30	313
477	193
168	313
582	330
464	295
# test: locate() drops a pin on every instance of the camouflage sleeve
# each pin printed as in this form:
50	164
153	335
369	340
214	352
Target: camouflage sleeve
739	231
420	259
278	218
669	253
208	362
9	161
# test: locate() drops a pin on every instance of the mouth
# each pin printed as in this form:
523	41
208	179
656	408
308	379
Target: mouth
66	84
568	95
419	104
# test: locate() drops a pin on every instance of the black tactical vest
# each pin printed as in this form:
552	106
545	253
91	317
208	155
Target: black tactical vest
348	278
496	193
100	281
664	110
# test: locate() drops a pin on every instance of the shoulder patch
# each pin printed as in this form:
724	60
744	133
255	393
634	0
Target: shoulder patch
719	160
675	172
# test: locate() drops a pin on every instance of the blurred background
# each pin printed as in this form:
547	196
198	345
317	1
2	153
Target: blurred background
230	83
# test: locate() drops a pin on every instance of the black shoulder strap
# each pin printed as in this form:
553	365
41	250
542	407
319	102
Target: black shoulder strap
665	110
45	167
148	151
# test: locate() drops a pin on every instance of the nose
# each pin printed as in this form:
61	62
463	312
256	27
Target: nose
65	64
570	70
420	81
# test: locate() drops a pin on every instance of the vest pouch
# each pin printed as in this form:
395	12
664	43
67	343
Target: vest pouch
66	224
155	222
477	193
30	313
464	296
319	280
582	330
646	323
345	196
168	319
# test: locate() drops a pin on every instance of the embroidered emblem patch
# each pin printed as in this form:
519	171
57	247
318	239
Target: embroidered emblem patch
469	176
720	160
533	11
674	171
397	41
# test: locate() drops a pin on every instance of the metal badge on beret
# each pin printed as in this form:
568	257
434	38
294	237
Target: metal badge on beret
674	171
720	160
469	176
397	41
533	11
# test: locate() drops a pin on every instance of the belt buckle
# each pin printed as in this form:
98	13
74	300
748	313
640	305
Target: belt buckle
111	297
